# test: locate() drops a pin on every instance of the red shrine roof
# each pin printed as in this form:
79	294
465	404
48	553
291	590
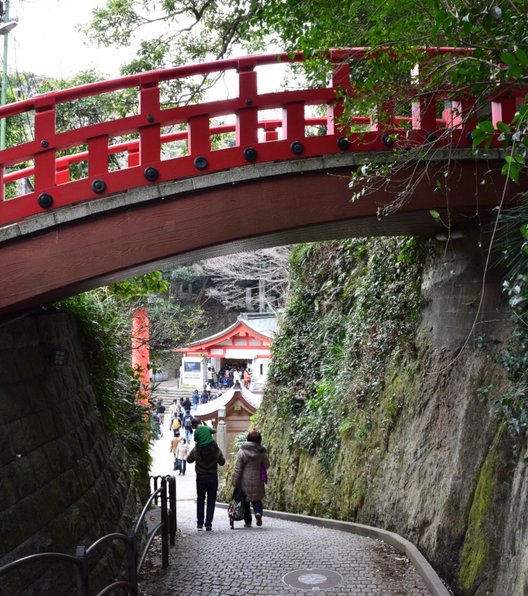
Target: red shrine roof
251	331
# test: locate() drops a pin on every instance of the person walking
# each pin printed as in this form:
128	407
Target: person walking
247	378
173	410
207	459
175	441
175	427
182	451
250	475
188	426
160	409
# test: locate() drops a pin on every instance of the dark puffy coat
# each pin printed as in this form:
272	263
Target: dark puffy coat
207	459
247	475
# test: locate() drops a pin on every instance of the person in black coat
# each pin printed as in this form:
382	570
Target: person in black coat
207	460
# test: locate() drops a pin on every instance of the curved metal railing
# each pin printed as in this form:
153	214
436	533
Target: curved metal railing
166	494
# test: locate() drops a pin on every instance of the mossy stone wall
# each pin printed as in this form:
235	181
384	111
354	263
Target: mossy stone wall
417	450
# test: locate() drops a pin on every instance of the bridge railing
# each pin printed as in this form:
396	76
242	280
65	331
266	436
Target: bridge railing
165	494
36	176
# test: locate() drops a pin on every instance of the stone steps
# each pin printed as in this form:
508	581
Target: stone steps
168	393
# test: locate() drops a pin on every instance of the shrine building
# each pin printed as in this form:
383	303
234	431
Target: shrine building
244	345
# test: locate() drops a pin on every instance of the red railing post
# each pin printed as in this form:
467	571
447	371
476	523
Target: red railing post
385	117
424	113
133	157
98	156
342	90
423	107
45	137
293	121
150	140
247	116
63	173
270	132
199	135
503	109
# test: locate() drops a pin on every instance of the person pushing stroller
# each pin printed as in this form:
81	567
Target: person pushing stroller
250	475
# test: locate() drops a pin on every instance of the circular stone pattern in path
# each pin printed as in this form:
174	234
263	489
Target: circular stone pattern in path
313	580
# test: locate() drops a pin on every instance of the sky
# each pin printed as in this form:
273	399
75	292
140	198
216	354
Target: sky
45	41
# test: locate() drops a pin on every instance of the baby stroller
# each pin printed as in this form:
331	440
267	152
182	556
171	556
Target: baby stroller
235	508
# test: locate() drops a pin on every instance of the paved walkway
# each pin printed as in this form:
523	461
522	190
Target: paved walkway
280	558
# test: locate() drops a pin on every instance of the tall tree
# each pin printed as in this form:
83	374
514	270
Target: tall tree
251	280
169	33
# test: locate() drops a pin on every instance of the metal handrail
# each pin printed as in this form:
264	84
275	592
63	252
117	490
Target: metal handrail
150	538
141	518
167	492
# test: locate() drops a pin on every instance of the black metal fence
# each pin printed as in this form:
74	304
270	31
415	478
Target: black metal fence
164	493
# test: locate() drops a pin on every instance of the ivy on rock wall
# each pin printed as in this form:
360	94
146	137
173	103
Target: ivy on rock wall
116	385
353	310
368	420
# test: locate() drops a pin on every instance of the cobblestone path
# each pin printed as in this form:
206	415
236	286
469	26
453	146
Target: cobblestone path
254	561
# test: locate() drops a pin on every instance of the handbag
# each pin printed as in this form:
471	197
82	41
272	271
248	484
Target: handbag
236	506
177	465
263	473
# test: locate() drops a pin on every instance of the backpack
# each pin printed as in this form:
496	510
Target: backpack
188	422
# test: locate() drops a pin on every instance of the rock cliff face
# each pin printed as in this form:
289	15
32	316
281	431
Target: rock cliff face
417	450
64	480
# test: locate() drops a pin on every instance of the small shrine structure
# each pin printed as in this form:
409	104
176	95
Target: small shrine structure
230	414
244	345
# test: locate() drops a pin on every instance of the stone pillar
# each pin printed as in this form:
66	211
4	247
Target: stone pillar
463	300
221	437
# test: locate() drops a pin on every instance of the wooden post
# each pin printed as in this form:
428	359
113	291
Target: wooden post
141	351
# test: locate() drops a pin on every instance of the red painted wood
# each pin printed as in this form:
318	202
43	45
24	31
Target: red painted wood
52	177
235	333
141	352
69	258
64	260
98	157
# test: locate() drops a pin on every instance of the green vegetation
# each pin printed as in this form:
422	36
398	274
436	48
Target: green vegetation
353	310
116	385
476	549
510	399
104	317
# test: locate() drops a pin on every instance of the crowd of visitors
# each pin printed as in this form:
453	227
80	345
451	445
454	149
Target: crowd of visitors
228	376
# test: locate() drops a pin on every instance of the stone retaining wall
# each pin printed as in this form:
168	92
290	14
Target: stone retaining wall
63	480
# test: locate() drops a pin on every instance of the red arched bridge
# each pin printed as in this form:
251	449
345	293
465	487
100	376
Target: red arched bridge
85	206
